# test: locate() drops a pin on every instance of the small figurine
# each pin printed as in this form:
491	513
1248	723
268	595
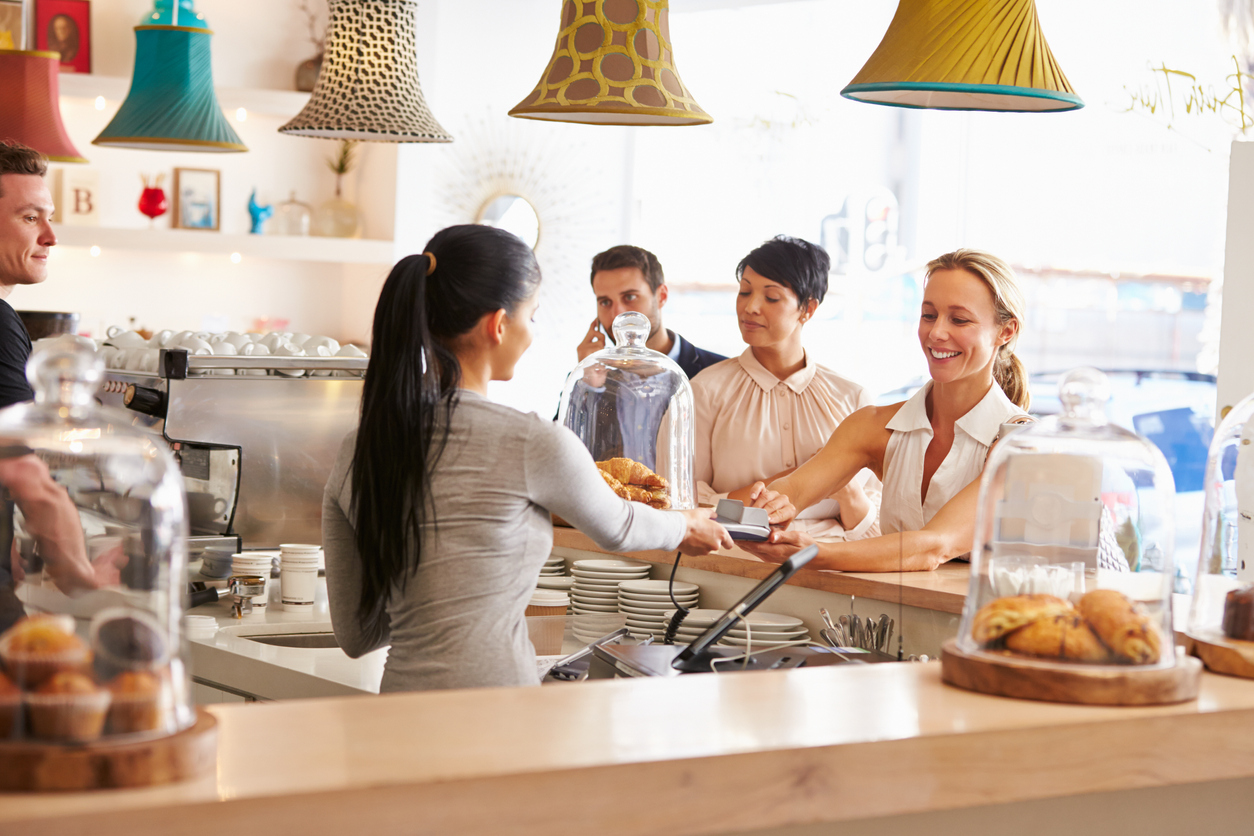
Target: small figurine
152	200
259	214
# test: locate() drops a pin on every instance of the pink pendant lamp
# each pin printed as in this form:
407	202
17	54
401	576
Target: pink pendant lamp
30	101
30	110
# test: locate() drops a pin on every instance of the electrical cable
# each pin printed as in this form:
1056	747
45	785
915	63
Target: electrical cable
681	612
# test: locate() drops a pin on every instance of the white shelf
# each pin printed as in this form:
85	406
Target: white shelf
282	247
115	88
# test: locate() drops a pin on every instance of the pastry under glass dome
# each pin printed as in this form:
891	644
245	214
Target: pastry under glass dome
628	402
1222	615
1072	559
91	644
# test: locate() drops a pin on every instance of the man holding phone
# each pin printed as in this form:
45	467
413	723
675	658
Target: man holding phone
627	278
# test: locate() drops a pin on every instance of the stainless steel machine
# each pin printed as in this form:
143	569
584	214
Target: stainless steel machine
255	437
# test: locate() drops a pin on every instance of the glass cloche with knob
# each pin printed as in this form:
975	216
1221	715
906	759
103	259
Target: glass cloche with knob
632	408
1221	620
1072	558
91	602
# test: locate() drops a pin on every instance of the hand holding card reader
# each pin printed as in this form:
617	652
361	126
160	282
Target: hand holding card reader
743	523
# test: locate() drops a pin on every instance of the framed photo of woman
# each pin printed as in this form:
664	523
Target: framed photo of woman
64	26
196	198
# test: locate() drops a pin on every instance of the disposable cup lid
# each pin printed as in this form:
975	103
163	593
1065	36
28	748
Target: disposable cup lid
300	547
547	598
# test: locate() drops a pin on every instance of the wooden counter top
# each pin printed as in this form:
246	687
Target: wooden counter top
943	590
694	755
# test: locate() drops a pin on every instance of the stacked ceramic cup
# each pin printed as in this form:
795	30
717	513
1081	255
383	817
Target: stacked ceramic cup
595	589
645	603
766	629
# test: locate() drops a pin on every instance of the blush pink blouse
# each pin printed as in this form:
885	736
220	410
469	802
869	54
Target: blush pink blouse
751	425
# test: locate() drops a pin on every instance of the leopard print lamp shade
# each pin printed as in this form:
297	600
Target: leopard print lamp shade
368	87
613	65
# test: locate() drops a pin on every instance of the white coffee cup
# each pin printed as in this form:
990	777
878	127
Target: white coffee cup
195	345
350	350
126	339
289	350
255	563
271	341
160	339
331	345
299	339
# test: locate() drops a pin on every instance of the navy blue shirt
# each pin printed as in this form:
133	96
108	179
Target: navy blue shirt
14	352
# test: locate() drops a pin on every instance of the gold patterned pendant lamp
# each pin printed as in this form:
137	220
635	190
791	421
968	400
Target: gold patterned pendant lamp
964	55
613	65
368	86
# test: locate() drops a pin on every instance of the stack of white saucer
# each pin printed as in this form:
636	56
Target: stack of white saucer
595	589
554	567
767	629
645	603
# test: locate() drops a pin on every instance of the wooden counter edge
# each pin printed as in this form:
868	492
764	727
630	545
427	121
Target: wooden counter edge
914	589
736	792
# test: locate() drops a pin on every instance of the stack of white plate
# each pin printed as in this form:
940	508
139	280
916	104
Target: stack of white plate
595	589
554	567
768	629
645	603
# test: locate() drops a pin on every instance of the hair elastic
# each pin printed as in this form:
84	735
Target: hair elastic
431	265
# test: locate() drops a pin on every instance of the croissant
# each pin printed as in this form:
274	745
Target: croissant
615	485
631	473
1059	636
1128	632
1003	615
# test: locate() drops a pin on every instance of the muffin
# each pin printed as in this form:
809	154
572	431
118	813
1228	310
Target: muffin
10	707
38	647
125	639
68	707
135	702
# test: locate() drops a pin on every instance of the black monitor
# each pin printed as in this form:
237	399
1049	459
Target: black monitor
697	656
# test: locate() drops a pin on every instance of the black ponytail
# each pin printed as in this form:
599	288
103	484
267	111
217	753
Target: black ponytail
411	389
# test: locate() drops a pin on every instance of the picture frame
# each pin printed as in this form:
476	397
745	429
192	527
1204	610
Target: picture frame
64	26
11	24
197	198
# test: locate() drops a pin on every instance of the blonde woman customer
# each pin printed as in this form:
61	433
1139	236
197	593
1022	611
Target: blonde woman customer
929	450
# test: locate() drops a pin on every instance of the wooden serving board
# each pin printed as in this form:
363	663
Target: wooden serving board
1227	657
1028	679
30	766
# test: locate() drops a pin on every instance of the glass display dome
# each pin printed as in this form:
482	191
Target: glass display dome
632	408
1072	559
1223	592
92	601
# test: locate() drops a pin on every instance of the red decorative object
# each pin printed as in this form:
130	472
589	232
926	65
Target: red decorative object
30	110
64	26
152	200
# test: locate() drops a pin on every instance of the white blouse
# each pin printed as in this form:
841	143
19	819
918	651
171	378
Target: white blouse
751	425
974	433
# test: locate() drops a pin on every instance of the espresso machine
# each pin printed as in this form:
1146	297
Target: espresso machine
255	438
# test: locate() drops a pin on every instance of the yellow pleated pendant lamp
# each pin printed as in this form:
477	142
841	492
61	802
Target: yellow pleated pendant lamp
613	65
964	55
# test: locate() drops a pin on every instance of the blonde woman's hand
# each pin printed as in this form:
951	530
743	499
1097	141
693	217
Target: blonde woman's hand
702	535
780	510
780	546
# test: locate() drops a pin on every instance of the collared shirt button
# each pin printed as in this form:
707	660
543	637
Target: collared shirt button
785	425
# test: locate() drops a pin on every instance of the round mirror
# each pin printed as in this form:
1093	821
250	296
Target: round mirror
512	213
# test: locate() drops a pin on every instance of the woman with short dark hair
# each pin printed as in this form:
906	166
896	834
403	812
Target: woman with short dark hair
436	517
761	415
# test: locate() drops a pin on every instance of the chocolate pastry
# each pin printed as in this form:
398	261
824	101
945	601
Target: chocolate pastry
1239	614
1003	615
1059	637
1129	633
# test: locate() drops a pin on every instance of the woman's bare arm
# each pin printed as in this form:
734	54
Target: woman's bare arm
859	441
947	535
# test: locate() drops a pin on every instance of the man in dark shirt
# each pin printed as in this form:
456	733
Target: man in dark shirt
26	237
627	278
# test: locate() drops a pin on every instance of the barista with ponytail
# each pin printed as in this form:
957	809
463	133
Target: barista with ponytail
930	450
436	517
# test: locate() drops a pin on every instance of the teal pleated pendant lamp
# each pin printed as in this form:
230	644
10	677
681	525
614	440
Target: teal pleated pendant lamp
172	105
